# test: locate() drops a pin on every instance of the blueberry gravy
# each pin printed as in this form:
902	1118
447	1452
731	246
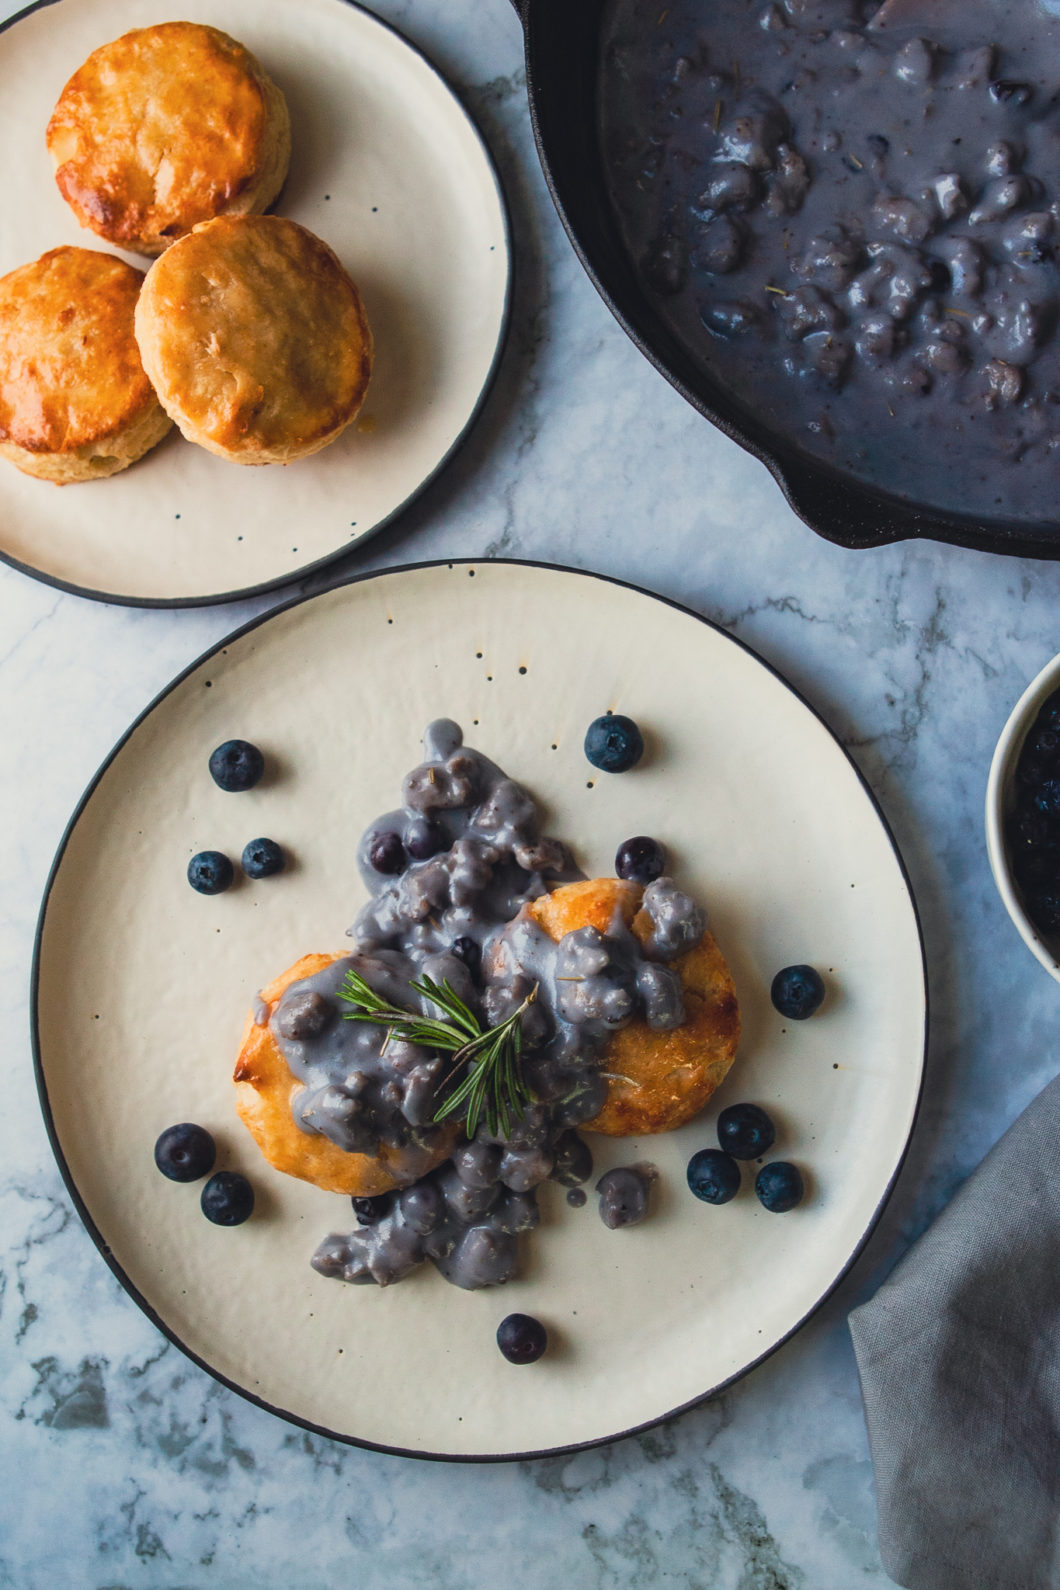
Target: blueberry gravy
850	214
463	859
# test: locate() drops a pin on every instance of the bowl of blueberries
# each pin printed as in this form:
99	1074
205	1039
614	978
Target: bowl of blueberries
1023	816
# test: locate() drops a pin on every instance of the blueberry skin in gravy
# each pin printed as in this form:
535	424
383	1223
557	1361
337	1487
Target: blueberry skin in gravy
457	916
624	1195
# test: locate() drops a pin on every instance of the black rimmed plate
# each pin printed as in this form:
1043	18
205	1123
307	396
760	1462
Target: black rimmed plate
141	989
388	168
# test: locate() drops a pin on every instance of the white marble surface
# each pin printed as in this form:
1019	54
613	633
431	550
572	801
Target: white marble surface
123	1465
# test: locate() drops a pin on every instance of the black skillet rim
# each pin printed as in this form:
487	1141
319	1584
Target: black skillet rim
96	1235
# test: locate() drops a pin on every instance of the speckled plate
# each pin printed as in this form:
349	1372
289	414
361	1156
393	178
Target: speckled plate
388	168
142	986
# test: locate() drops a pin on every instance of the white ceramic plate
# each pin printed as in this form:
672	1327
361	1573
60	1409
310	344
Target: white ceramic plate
388	168
142	987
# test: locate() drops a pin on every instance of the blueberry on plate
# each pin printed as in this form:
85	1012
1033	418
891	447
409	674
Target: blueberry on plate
263	858
227	1199
386	853
713	1176
237	765
613	743
370	1211
640	860
745	1131
779	1186
797	992
185	1152
210	872
521	1338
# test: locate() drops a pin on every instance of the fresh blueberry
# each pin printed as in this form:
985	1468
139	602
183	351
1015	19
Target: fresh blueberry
1043	908
640	860
797	992
1028	828
386	853
210	872
1044	740
779	1186
424	839
1037	866
469	951
370	1211
263	858
185	1152
613	743
745	1131
237	765
1047	797
521	1338
713	1176
227	1199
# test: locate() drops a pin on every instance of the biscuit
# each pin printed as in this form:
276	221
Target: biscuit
265	1086
658	1081
166	127
75	403
255	338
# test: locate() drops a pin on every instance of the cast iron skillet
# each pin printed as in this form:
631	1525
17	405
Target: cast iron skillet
562	40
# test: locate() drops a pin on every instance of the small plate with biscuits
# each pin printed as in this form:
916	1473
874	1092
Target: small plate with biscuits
254	286
160	1005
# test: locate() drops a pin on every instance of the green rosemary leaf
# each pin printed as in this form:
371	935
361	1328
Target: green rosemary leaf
449	1000
491	1086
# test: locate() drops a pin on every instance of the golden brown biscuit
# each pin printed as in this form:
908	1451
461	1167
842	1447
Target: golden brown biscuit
659	1080
265	1086
75	403
255	338
166	127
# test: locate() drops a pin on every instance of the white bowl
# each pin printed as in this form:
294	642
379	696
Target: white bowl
999	802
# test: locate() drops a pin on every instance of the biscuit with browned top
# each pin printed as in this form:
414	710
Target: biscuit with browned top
265	1087
657	1080
75	403
255	338
166	127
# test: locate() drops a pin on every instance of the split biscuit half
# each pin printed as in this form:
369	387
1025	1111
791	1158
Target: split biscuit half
265	1088
658	1081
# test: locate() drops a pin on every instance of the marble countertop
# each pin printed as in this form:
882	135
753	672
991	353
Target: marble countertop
122	1464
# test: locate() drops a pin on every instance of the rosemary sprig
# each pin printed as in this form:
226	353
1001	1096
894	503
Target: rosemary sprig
491	1084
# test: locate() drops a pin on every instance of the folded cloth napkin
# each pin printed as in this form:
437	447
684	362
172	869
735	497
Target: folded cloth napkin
959	1357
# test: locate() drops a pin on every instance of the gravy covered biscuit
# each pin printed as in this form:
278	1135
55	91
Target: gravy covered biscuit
269	1097
75	403
658	1077
255	338
164	128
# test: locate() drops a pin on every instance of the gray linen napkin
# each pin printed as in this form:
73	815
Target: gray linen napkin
959	1357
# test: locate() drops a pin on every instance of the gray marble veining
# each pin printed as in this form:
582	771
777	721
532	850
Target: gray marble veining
122	1464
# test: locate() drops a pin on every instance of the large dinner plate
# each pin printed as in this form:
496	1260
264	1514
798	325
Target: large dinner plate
388	168
142	986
